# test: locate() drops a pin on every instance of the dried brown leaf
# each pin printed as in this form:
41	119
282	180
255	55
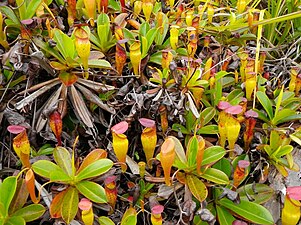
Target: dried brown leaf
80	107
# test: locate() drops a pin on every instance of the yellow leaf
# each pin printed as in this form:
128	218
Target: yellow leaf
197	187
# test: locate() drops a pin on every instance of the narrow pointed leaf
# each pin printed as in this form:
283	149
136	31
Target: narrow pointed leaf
278	103
282	116
92	97
80	107
52	100
29	99
266	103
32	8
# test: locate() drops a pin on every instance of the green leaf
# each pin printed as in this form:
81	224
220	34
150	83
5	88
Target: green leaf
224	165
283	150
44	168
218	92
102	19
209	129
227	81
103	220
106	40
182	51
144	44
216	176
261	195
46	149
15	220
278	102
234	97
197	187
289	118
129	217
30	212
10	14
129	36
156	58
250	211
282	116
45	47
219	75
192	150
190	121
144	28
94	39
295	139
178	127
95	169
21	5
150	36
262	116
64	44
62	158
92	191
266	103
224	216
2	211
287	95
31	9
213	154
70	205
207	115
7	191
274	140
99	63
60	176
20	197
